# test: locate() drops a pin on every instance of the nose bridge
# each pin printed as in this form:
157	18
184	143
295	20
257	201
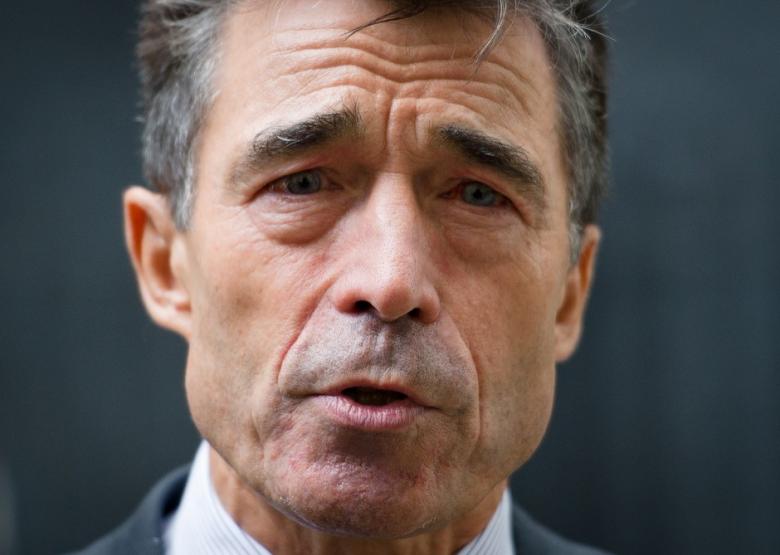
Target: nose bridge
396	225
389	270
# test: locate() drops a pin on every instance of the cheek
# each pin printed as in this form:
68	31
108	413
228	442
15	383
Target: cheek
509	323
516	390
252	297
252	290
515	409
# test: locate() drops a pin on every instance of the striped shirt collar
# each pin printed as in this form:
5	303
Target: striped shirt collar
202	526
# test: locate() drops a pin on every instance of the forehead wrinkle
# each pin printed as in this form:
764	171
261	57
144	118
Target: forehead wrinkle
423	68
407	53
492	77
466	33
408	41
472	102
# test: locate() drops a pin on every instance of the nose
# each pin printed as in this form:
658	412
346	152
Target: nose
388	266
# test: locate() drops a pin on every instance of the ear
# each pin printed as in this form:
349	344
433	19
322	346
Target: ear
568	322
158	253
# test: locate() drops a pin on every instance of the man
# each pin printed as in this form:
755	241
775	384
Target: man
374	227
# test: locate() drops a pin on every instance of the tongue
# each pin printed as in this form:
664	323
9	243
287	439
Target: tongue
376	397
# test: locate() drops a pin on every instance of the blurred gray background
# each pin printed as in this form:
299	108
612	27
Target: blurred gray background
666	435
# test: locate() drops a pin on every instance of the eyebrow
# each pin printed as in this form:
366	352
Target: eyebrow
506	159
295	139
288	141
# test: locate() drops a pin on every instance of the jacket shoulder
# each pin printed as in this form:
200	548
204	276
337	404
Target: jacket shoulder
531	538
142	533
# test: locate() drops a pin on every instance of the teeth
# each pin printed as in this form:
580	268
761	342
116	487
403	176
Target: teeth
374	397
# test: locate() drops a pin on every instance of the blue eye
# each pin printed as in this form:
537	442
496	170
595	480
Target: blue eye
303	183
479	194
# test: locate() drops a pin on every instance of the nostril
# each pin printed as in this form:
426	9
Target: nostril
362	306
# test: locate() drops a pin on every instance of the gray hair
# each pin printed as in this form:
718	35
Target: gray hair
177	57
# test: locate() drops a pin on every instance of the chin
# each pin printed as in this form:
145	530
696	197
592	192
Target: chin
363	502
359	518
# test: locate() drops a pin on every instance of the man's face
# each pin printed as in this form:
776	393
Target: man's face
377	267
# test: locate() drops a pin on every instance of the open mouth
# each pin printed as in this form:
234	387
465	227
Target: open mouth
369	409
373	397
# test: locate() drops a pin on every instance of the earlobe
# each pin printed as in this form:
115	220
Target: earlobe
158	253
568	324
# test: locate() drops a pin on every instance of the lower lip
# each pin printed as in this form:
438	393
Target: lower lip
374	418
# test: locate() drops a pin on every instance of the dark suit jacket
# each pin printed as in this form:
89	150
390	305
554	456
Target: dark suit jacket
142	533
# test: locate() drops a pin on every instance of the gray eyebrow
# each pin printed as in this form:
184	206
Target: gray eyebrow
294	139
511	161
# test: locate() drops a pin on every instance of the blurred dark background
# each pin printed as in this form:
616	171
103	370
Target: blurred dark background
666	436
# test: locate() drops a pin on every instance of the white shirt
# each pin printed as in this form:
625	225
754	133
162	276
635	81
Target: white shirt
202	526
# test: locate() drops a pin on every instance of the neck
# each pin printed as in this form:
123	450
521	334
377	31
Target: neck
284	536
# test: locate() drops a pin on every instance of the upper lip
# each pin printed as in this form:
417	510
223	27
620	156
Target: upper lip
413	395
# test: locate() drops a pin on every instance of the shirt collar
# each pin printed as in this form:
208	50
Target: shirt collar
202	525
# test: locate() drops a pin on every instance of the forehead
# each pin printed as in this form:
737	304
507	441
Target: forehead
297	44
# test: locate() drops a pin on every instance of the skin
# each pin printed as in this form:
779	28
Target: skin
389	273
